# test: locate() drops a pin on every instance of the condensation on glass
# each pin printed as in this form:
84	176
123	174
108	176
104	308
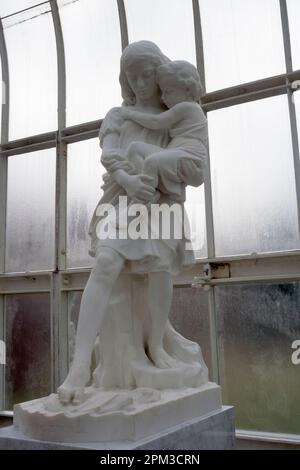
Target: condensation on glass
30	211
91	32
168	23
294	26
257	325
190	317
31	50
242	41
28	339
253	182
84	191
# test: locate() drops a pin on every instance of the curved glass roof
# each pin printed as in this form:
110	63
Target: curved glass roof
69	50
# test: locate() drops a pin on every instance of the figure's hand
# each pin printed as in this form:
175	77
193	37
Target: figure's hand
127	113
138	187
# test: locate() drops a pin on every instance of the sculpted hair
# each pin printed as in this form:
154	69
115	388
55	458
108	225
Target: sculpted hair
136	52
183	74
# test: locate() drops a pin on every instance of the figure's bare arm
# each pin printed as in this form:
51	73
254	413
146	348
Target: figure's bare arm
112	158
110	142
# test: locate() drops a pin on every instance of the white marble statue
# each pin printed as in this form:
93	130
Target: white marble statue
153	146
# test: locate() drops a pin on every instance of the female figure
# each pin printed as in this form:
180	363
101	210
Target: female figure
159	259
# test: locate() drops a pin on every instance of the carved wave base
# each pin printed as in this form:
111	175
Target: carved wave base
115	415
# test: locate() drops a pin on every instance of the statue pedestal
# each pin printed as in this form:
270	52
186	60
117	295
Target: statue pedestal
214	431
118	415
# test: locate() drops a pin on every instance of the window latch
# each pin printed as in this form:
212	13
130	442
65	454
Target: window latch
211	271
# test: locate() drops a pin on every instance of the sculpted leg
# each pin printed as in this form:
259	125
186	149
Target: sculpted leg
95	298
159	297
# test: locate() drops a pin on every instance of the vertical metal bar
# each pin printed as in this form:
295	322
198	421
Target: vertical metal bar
214	336
210	236
3	204
5	85
61	66
4	139
286	36
59	328
199	42
207	184
291	103
58	311
2	366
61	204
123	24
58	308
3	191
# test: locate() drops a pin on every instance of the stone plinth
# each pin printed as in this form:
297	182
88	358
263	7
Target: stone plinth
214	431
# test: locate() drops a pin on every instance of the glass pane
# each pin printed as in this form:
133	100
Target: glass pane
195	208
253	183
190	317
30	211
169	24
32	58
7	7
84	191
256	328
93	49
294	24
242	41
28	364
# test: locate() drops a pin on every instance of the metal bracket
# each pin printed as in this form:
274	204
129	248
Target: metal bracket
211	271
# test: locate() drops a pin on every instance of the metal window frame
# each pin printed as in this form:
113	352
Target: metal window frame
3	192
275	267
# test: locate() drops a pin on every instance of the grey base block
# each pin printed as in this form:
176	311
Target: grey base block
211	432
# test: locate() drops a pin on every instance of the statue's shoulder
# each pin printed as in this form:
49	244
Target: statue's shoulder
112	122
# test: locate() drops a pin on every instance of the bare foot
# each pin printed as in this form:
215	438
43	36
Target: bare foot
72	390
160	358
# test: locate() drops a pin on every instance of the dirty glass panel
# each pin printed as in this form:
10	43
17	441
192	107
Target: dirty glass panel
30	211
190	317
84	191
175	37
253	182
242	41
294	26
92	41
31	49
28	361
257	325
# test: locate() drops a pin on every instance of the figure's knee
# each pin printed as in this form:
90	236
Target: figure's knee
107	266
